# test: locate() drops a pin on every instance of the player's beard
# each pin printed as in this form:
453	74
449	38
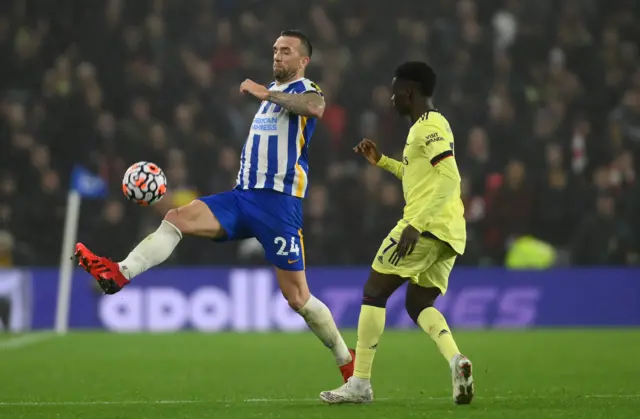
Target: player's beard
283	74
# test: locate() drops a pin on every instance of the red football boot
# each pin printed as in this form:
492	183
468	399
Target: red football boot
104	270
347	369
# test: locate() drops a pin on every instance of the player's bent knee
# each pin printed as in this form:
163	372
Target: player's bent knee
297	301
173	217
414	309
181	219
296	297
419	299
369	299
195	219
379	288
294	288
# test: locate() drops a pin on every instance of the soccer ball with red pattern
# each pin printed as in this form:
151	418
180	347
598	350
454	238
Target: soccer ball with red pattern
144	183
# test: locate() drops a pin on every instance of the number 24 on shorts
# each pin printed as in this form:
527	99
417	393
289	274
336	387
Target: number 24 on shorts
294	249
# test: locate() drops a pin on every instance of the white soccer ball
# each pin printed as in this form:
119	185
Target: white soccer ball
144	183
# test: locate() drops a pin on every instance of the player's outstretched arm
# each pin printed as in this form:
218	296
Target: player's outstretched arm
370	152
308	104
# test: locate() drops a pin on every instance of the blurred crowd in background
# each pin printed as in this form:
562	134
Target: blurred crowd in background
543	97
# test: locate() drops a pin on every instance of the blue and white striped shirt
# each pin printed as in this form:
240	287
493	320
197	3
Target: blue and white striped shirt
275	153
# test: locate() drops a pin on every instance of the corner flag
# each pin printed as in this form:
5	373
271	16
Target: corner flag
87	184
84	184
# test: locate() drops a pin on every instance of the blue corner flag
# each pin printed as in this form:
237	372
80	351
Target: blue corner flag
87	184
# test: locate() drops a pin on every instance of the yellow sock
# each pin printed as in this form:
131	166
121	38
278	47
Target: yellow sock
433	322
370	328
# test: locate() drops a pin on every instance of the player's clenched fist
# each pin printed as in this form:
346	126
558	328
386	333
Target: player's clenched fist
254	89
369	150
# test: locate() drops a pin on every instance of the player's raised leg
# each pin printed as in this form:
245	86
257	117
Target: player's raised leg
195	218
371	323
419	303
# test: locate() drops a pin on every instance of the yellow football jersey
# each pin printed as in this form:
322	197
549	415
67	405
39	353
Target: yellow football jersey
431	181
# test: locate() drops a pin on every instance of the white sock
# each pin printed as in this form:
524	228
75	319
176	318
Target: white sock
151	251
360	383
320	321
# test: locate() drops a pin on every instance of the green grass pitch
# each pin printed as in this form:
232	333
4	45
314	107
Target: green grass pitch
518	374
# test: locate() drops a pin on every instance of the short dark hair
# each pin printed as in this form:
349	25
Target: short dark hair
304	39
418	72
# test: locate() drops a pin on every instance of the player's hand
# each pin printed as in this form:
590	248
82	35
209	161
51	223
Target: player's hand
408	240
257	90
369	150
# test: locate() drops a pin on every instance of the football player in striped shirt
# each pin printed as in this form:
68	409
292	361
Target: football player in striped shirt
266	202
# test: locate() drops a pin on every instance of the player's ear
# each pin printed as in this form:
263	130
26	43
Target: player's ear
304	62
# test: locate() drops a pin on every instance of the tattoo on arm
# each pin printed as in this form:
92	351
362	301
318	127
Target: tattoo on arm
306	104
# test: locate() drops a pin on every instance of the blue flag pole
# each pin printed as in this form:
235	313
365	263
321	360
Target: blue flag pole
84	184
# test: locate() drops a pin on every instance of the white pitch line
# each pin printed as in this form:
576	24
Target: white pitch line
103	402
25	340
292	400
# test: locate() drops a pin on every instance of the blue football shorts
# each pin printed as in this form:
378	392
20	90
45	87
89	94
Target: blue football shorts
274	218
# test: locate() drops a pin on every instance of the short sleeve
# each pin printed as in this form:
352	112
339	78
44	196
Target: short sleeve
312	87
434	143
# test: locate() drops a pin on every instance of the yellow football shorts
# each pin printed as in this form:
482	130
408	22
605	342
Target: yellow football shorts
429	265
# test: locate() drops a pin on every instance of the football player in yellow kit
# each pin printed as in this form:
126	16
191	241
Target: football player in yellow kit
423	246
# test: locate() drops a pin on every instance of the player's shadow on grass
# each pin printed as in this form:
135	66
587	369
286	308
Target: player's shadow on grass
396	405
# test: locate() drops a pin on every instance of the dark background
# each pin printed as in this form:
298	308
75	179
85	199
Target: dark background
543	97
